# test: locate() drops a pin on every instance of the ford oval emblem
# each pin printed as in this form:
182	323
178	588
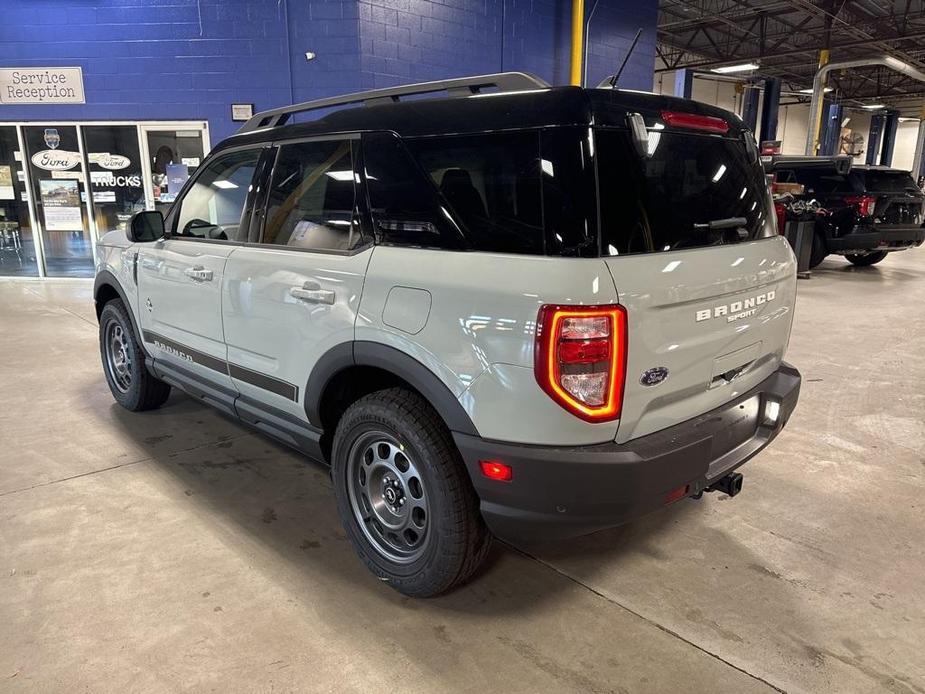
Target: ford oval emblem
654	376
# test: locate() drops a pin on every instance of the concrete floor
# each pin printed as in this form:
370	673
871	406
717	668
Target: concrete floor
176	550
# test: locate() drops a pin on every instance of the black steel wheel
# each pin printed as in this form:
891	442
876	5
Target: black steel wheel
404	496
387	497
130	382
819	251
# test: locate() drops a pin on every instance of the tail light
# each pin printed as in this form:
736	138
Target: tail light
580	358
864	204
692	121
780	210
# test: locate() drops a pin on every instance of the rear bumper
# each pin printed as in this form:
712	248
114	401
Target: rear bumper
570	491
892	237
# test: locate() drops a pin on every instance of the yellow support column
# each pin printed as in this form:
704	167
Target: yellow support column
578	26
817	116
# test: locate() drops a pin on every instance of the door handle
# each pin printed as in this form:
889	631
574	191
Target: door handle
198	273
312	293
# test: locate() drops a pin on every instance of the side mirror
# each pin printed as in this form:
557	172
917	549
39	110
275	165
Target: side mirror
146	226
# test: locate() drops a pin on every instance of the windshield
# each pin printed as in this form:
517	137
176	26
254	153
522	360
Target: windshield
687	191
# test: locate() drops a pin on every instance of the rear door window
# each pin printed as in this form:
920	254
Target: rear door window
311	198
406	209
689	191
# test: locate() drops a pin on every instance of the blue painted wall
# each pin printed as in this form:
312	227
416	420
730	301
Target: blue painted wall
189	59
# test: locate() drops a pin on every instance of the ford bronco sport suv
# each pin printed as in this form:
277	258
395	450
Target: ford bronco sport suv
870	210
507	310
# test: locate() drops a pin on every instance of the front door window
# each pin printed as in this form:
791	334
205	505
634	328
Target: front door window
59	191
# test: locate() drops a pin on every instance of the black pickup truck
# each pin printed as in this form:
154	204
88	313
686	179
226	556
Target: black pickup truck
869	210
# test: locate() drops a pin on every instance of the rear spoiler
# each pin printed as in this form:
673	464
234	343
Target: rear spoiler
840	163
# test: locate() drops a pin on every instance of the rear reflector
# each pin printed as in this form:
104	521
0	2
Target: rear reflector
692	121
676	494
494	470
580	358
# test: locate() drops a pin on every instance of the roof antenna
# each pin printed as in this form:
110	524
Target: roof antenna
613	80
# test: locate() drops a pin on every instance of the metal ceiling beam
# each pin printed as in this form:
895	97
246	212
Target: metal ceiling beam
819	84
804	51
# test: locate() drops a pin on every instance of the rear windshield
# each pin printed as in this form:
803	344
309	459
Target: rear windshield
818	181
686	191
827	182
887	181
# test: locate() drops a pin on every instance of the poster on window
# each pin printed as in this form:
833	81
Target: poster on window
61	203
6	184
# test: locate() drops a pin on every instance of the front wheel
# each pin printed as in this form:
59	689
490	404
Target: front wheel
818	252
866	259
131	384
404	496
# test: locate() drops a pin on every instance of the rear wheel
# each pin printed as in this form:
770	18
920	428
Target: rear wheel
866	259
131	384
819	252
404	496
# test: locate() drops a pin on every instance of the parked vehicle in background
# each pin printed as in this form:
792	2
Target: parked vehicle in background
870	211
531	313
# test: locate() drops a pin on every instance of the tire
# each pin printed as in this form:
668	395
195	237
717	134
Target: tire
819	252
131	384
426	536
866	259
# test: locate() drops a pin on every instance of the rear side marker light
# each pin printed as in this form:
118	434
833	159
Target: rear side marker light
494	470
676	494
580	358
692	121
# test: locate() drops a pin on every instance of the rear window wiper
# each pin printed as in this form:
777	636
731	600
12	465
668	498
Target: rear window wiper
731	229
725	223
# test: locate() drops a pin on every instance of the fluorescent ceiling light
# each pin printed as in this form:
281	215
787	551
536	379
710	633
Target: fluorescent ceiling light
872	107
224	184
744	67
341	175
810	90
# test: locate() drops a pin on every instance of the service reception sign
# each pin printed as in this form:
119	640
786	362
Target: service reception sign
41	85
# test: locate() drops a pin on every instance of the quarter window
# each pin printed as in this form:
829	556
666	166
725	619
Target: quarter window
213	206
312	197
492	183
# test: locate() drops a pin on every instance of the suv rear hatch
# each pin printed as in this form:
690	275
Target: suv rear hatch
688	234
887	197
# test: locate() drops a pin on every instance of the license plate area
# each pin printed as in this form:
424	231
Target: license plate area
739	424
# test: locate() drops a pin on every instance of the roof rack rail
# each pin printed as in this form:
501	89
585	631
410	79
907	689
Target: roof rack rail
462	86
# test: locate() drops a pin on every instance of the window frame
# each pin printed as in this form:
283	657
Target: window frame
247	212
360	203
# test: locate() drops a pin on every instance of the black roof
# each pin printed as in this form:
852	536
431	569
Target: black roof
537	108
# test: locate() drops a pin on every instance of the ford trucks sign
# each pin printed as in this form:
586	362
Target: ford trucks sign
41	85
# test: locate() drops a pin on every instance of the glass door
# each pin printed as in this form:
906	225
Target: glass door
59	190
115	163
172	154
17	246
